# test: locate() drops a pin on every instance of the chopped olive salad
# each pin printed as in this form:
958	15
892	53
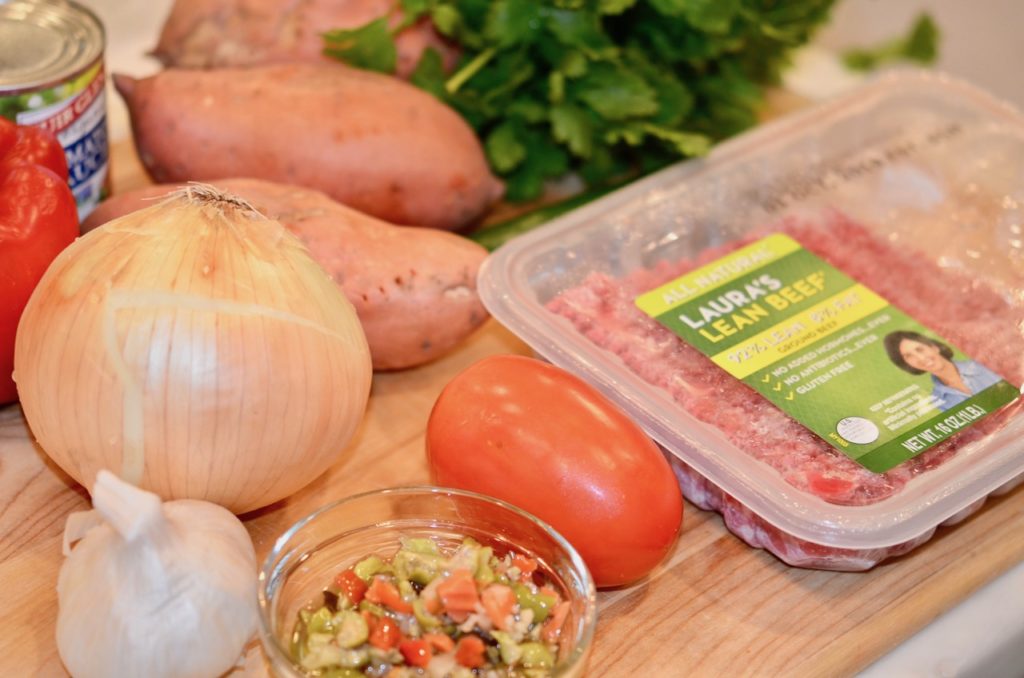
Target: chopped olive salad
430	613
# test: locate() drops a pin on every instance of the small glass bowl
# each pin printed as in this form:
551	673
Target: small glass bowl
311	552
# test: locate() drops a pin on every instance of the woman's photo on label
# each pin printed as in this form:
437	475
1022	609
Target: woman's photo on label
953	381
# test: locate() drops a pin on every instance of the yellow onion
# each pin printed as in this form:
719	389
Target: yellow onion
197	347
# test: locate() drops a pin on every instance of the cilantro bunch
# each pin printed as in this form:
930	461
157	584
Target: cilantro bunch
604	88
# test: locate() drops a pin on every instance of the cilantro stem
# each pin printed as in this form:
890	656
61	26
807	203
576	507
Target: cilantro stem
469	70
493	236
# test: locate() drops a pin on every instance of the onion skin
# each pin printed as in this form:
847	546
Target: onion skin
197	348
414	289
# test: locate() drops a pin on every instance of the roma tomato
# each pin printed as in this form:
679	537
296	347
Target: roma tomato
542	439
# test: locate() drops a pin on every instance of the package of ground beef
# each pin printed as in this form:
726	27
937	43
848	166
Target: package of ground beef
822	323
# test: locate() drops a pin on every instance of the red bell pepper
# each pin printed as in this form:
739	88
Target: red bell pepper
38	219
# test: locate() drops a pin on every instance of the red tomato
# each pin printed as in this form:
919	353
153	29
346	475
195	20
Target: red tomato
416	652
351	585
458	592
544	440
385	593
384	632
439	642
469	652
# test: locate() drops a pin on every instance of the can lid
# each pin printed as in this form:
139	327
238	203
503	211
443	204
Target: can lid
42	43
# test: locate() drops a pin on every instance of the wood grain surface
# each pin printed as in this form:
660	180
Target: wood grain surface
715	607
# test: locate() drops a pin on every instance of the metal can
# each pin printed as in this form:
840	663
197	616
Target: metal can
51	76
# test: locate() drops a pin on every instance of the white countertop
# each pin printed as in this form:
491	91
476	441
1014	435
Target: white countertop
982	637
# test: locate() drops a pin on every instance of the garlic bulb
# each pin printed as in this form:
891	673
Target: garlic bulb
155	590
195	347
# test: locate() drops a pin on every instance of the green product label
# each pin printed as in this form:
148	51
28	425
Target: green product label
868	379
12	106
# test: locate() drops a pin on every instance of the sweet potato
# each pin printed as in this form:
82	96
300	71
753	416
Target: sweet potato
216	34
413	288
370	141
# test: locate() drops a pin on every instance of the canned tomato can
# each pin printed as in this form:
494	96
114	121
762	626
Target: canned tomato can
51	76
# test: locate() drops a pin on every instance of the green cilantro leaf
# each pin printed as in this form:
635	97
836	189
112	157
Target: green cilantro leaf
504	150
573	127
614	6
607	89
605	166
556	87
922	45
414	9
429	74
675	101
474	12
919	46
447	20
615	93
580	30
545	160
527	110
687	144
711	16
370	46
573	64
511	22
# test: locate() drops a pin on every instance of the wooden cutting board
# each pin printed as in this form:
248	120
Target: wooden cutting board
715	607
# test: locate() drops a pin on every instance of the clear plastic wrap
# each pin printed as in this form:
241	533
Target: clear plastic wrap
914	186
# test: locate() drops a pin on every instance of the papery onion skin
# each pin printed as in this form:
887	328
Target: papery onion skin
195	346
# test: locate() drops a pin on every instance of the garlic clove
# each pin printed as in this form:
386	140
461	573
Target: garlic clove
125	507
156	589
78	524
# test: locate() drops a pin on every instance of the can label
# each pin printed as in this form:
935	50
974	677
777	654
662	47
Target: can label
76	112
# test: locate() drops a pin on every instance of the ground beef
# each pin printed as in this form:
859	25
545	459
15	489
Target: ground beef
758	533
966	312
